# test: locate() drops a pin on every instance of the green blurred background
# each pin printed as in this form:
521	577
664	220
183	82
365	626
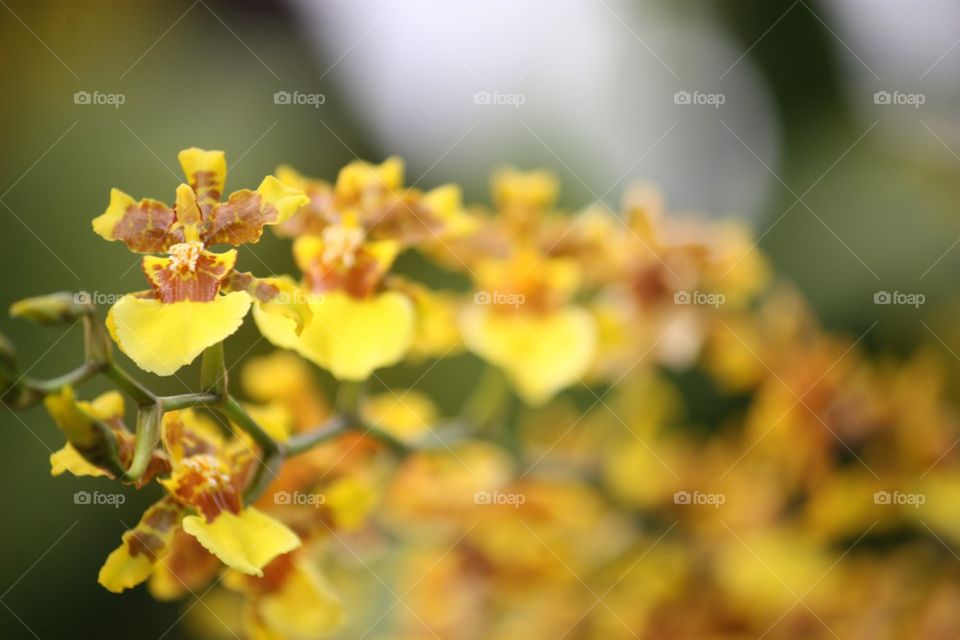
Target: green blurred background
204	74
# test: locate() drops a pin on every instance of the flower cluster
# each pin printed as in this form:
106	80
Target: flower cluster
576	493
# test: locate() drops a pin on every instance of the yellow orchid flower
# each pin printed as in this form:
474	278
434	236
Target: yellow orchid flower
522	322
523	199
285	379
352	330
350	500
208	474
189	307
293	600
407	414
347	238
375	197
437	332
511	187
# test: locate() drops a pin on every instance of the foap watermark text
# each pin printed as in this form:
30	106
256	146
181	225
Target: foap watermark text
99	98
299	498
899	297
899	98
699	297
299	98
499	298
699	98
699	498
914	500
499	498
97	498
499	98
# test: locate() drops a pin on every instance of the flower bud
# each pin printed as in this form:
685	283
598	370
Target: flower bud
56	308
7	370
92	438
8	356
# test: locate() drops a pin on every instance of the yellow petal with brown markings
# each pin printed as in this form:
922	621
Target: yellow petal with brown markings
132	562
206	171
241	218
144	226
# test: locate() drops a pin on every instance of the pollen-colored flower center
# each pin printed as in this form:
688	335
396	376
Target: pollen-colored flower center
341	243
184	256
212	470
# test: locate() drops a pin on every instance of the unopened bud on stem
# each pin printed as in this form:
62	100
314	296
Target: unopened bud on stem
56	308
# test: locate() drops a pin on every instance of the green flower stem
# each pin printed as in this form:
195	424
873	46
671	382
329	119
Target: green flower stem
97	356
445	436
272	456
337	426
213	371
263	475
510	434
486	403
129	385
187	400
399	446
489	411
349	398
96	341
239	416
301	442
148	436
78	375
20	398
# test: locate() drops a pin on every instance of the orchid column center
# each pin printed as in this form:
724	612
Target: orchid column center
184	256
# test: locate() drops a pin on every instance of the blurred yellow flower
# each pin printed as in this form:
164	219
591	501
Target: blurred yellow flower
521	321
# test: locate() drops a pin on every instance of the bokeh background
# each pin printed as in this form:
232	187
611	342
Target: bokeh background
848	196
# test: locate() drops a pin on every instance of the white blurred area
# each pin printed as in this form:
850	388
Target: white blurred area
596	80
910	47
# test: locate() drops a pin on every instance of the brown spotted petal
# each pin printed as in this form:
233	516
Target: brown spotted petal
147	226
207	173
142	547
406	220
260	289
241	218
315	216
